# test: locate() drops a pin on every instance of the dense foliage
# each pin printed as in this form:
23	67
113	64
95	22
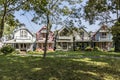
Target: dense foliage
116	35
7	49
103	10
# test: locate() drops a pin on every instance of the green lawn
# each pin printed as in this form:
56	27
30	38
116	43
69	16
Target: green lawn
85	53
60	68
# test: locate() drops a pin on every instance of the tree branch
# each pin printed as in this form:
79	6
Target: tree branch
22	3
54	4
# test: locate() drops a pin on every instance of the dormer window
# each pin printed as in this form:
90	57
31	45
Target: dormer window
104	35
82	34
23	33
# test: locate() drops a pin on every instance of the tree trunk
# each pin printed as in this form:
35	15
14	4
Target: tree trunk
2	27
117	43
55	40
46	38
3	19
73	43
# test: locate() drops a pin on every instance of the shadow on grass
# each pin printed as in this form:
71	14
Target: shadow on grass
85	53
36	68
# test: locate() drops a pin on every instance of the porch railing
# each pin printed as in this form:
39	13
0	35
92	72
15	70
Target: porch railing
22	38
64	37
105	39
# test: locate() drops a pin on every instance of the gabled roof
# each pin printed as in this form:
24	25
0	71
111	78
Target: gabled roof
84	30
59	31
22	28
44	27
103	26
69	29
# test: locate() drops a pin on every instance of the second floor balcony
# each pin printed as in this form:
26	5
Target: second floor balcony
64	37
22	37
105	39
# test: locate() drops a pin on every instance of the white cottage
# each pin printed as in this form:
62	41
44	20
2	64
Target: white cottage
22	40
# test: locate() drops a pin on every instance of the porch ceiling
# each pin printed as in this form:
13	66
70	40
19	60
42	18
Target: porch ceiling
102	41
64	41
44	41
82	41
12	41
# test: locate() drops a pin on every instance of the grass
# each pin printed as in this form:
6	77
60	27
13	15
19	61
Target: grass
85	53
59	68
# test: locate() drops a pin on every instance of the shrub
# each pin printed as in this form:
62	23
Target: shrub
77	48
88	48
97	49
50	50
39	50
16	52
7	49
112	50
34	52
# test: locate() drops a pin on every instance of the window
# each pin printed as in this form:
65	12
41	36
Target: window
44	35
82	35
104	35
23	33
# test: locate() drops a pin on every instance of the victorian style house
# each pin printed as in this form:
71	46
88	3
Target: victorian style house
22	39
82	39
103	38
40	39
64	39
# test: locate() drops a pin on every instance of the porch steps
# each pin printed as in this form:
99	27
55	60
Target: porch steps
22	52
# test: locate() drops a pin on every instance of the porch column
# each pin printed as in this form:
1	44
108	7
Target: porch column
19	46
61	45
42	45
67	46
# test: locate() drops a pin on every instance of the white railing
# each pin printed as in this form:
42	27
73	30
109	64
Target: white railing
23	38
64	37
104	31
83	39
43	31
105	39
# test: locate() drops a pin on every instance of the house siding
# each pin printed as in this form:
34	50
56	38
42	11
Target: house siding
41	37
103	38
22	43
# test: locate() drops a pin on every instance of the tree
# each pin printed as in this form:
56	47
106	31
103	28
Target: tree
7	9
103	10
50	13
116	35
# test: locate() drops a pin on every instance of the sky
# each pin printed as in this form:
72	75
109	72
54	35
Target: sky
26	19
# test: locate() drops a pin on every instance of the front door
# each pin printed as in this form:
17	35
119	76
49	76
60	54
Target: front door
23	47
104	46
64	45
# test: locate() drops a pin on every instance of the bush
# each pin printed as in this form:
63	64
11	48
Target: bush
50	50
97	49
7	49
112	50
39	50
88	48
77	48
34	52
16	52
